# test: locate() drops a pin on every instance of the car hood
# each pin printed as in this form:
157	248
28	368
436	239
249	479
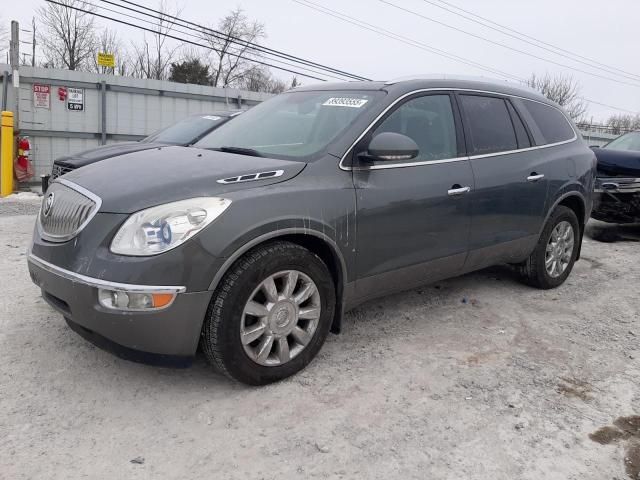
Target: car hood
106	151
135	181
618	163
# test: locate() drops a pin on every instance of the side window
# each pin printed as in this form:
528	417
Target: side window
551	122
428	120
521	132
489	124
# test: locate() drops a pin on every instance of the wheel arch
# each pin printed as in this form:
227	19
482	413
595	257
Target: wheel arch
575	201
314	241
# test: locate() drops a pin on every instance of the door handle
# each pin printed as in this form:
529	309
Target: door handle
458	190
534	177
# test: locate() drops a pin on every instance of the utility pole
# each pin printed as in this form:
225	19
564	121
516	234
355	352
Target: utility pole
33	42
14	61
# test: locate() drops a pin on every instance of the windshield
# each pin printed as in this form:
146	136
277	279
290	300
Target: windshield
628	141
186	131
293	125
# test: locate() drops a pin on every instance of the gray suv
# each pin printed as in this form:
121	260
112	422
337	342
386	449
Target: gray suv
254	243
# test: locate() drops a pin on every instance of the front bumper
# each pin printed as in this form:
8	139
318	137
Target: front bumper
168	336
617	200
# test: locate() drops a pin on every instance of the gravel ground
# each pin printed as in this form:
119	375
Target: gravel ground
477	377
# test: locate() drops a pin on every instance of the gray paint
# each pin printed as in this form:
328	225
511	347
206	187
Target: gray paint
390	228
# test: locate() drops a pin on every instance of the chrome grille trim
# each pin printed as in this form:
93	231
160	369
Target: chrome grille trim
59	170
71	217
617	185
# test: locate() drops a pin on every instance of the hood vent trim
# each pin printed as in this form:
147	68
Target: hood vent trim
252	177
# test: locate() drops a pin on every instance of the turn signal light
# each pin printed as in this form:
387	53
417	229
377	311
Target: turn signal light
134	301
162	299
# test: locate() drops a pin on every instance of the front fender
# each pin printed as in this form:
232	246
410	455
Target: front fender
278	229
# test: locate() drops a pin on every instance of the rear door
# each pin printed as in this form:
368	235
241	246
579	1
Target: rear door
510	195
413	216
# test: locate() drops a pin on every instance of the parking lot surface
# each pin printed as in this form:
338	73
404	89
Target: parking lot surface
478	377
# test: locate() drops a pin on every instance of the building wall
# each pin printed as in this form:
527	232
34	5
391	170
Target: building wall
116	109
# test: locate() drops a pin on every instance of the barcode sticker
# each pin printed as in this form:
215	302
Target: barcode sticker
345	102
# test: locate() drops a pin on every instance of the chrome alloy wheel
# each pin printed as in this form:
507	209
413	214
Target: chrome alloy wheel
280	318
559	249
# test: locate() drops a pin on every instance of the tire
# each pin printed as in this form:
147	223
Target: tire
533	271
226	319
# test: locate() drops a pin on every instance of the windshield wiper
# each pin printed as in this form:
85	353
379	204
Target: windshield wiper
239	150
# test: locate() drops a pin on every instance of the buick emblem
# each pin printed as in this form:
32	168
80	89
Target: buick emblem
47	205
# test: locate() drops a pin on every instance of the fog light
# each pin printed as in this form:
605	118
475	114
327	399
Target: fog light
134	301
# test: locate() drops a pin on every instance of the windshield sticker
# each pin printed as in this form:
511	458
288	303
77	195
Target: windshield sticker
345	102
211	117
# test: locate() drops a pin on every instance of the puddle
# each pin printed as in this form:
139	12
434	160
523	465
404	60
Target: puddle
625	430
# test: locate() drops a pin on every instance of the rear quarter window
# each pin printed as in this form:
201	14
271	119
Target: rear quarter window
552	125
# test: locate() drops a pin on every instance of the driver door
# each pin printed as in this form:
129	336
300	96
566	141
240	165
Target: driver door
413	217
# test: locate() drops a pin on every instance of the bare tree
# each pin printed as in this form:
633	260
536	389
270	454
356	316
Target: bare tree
261	80
152	58
4	37
622	123
564	90
108	42
67	36
230	49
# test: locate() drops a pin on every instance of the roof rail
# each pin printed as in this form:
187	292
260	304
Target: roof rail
446	76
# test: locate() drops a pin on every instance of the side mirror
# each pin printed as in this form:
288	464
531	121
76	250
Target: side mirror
389	146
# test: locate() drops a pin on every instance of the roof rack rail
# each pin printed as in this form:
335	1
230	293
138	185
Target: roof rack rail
444	76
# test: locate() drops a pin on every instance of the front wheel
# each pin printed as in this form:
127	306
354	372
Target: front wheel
270	315
552	260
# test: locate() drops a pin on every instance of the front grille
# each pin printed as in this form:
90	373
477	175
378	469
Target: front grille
617	185
59	170
65	211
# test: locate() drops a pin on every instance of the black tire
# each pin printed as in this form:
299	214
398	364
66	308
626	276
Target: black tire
220	339
533	271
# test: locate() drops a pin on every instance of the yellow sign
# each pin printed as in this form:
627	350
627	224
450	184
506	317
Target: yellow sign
106	60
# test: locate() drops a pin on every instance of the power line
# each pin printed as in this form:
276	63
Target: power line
518	33
336	15
198	36
608	106
406	40
504	45
519	36
235	40
181	39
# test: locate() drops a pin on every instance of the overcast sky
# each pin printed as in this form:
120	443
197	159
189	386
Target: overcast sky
603	31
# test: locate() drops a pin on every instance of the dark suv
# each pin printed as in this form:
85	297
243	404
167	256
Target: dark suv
617	190
184	133
254	242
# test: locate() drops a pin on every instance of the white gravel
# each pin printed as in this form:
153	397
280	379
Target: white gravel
477	377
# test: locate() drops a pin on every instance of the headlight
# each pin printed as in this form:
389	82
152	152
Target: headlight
158	229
